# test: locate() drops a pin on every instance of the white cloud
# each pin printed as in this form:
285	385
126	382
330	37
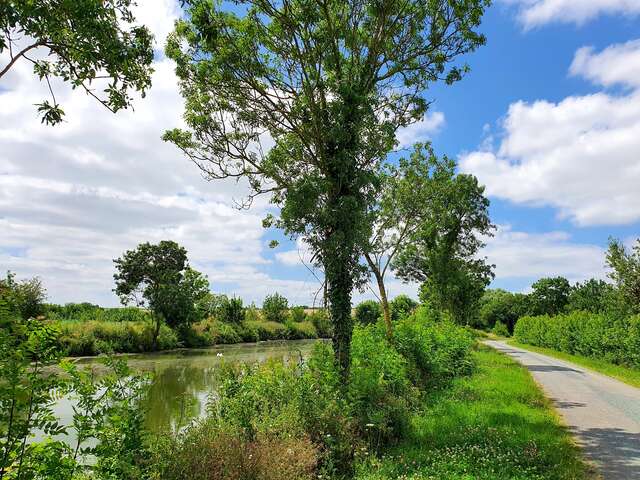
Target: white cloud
535	255
579	155
533	13
420	131
617	64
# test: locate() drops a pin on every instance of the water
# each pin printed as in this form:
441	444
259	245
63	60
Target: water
183	380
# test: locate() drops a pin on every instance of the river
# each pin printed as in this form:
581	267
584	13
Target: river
183	380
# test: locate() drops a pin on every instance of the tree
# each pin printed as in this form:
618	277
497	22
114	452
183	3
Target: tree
442	253
158	277
80	42
327	83
592	296
625	267
368	312
274	308
549	296
407	194
501	306
28	296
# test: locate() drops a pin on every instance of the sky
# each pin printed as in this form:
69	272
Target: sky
548	119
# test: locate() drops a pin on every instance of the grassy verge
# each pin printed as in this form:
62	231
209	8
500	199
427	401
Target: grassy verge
627	375
493	425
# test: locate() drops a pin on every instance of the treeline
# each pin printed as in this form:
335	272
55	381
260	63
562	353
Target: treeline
593	319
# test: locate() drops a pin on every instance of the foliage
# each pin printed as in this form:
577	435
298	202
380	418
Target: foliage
274	308
298	314
368	312
322	323
498	305
615	339
329	425
443	252
401	306
98	336
493	425
626	271
407	194
159	278
81	42
107	413
230	310
321	79
549	296
27	296
593	296
86	312
500	329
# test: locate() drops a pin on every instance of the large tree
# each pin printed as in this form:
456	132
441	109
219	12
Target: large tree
326	83
80	42
549	296
443	252
409	191
158	277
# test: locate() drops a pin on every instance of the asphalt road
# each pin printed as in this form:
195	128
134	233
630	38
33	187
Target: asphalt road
603	413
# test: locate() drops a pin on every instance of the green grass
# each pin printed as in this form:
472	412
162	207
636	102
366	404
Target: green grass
493	425
627	375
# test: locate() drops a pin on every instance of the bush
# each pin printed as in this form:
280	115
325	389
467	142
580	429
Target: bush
274	308
402	306
230	310
268	330
436	349
368	312
300	330
322	323
500	329
298	314
615	339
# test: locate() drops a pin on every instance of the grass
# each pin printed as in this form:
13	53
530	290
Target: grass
627	375
493	425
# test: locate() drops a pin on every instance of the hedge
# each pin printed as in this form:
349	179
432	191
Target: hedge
614	339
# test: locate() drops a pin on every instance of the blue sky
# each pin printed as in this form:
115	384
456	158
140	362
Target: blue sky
548	118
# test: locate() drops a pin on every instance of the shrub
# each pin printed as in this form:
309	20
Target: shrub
231	310
301	330
436	349
322	323
368	312
615	339
401	306
500	329
298	314
274	308
268	330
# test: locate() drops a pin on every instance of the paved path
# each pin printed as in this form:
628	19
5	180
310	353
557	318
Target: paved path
603	413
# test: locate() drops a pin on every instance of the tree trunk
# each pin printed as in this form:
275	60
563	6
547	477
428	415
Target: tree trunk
384	302
156	332
340	285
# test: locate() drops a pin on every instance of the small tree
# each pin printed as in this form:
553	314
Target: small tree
158	277
408	195
82	41
549	296
625	267
231	310
274	308
368	312
443	252
501	306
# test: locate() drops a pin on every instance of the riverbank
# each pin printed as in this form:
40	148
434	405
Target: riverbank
93	337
